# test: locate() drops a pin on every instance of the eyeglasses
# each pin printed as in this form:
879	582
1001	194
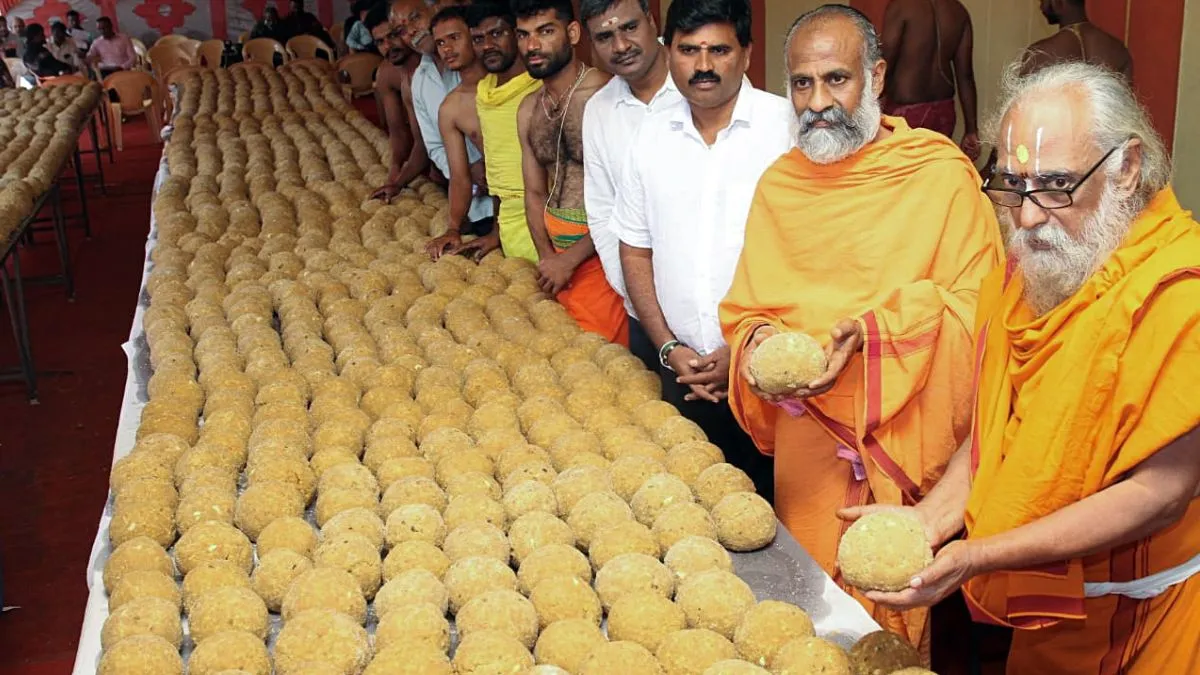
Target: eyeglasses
1046	198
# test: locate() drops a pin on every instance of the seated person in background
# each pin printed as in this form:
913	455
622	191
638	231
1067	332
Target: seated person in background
9	42
358	38
302	22
18	27
82	38
62	47
38	58
112	51
269	27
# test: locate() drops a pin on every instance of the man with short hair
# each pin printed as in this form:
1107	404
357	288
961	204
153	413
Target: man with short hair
871	237
10	44
62	47
928	46
625	37
300	21
269	26
1077	39
684	197
82	38
393	91
357	37
37	57
112	51
550	127
497	99
448	135
1077	489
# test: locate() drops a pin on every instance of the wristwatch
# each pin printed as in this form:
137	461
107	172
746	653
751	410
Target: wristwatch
665	351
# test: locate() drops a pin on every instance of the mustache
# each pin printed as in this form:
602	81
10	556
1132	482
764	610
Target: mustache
834	117
627	54
705	76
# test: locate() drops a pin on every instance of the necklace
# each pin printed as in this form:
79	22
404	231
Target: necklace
560	108
561	125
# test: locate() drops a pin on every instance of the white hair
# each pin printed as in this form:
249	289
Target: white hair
1117	118
1054	263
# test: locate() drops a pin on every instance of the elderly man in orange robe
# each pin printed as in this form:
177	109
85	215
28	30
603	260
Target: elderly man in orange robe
873	238
1078	487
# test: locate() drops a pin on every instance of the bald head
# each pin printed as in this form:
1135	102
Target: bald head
835	77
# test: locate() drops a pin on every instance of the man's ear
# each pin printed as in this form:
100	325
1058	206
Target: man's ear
574	32
879	77
1131	165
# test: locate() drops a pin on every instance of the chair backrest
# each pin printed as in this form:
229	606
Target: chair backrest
308	47
165	57
136	90
178	72
172	39
263	50
209	54
358	70
142	52
191	48
338	32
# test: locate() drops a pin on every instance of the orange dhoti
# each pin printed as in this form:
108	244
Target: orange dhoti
897	238
1069	403
588	297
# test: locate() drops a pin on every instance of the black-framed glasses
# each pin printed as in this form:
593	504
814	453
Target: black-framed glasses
1046	198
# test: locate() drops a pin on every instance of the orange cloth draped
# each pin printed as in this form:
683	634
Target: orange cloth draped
898	236
588	297
1068	404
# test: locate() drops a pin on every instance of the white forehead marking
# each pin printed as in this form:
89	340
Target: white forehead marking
610	21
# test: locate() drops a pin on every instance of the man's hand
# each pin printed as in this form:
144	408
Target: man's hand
554	272
847	341
387	193
680	358
709	379
971	146
444	244
479	177
479	247
760	334
953	566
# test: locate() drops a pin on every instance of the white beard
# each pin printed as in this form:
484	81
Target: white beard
845	135
1054	275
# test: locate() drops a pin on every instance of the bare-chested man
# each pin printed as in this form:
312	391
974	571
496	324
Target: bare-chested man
393	95
927	45
550	126
1076	40
409	22
458	126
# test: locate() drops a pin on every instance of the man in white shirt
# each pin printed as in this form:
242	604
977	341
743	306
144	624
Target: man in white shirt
684	197
625	37
82	38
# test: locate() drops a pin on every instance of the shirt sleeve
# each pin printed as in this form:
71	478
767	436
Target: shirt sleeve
129	53
428	100
597	179
359	38
629	216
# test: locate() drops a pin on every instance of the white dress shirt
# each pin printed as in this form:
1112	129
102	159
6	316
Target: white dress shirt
430	86
610	120
688	202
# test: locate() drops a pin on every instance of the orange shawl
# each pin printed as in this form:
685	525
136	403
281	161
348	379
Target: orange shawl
1087	423
898	236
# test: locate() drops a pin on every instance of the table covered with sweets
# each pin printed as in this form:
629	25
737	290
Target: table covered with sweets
336	456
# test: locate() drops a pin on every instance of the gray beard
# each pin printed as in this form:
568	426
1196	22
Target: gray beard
845	135
1052	276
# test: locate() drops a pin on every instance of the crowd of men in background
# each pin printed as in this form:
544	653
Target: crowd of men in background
69	48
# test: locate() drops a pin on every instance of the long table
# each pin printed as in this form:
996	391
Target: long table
782	571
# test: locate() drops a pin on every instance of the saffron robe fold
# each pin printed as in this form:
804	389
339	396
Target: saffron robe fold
899	237
1068	404
497	108
588	297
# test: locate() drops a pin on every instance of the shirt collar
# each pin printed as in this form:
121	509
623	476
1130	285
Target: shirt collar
743	110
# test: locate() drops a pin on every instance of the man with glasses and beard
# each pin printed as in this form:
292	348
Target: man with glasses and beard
1078	490
871	237
550	126
625	37
497	98
681	214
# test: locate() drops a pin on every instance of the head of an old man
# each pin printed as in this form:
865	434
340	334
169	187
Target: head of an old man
1077	161
835	76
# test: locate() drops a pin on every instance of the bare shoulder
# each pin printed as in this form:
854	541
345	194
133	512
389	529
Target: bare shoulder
525	110
594	81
